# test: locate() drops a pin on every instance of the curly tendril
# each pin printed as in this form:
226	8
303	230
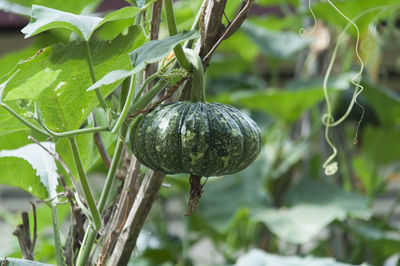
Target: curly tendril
328	121
330	165
302	31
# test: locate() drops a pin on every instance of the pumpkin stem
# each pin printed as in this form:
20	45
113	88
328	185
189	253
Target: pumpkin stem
197	93
196	190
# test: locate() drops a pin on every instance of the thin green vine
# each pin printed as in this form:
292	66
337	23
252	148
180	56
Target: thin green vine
93	76
24	121
179	54
125	109
198	84
95	215
60	259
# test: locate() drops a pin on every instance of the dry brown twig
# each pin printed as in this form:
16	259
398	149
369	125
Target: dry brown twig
34	226
232	28
158	102
23	235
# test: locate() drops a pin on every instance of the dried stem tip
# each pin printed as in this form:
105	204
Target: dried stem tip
196	190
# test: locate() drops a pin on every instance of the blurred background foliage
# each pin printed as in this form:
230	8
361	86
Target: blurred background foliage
283	209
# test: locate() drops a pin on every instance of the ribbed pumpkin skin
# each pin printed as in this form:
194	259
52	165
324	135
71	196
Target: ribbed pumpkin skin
204	139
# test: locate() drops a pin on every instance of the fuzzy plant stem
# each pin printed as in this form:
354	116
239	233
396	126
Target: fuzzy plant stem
93	76
198	86
125	109
179	54
141	103
92	232
130	97
113	167
60	260
24	121
85	185
77	132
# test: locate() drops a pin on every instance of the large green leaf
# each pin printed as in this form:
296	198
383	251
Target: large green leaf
276	45
22	167
324	194
261	258
11	59
44	18
65	104
87	148
74	6
312	206
382	242
352	9
379	145
151	52
8	123
298	224
284	104
385	103
156	50
33	87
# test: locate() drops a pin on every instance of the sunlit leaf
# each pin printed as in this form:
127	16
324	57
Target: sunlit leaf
151	52
44	18
66	104
154	51
87	147
73	6
32	88
312	206
22	167
15	8
116	22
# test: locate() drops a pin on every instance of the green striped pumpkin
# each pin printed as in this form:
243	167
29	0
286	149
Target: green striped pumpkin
203	139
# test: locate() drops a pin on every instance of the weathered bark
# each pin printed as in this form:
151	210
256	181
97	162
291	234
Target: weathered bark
135	220
23	234
120	210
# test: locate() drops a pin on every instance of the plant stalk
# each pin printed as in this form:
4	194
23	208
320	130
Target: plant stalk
60	260
143	101
24	121
85	185
93	77
124	112
92	232
197	92
77	132
179	54
113	167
